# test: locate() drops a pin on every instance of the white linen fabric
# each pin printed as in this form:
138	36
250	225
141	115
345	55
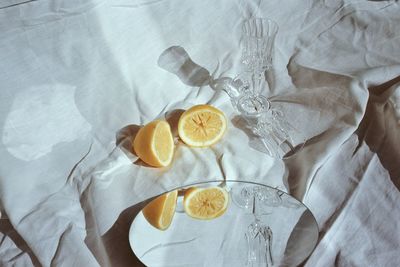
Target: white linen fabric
77	78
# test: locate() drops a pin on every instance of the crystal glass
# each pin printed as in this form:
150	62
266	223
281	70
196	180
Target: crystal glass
245	197
259	243
258	36
277	134
268	196
248	91
258	235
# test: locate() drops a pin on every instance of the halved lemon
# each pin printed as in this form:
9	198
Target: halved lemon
154	143
160	211
205	203
202	125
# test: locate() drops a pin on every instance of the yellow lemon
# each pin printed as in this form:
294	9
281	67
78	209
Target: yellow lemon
201	126
154	143
205	203
160	211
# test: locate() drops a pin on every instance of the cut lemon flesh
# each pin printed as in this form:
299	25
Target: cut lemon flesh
205	203
154	143
201	126
160	211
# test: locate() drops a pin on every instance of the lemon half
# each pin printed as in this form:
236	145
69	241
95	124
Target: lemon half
202	126
154	143
160	211
205	203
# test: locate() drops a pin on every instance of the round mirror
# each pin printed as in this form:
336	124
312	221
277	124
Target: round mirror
231	223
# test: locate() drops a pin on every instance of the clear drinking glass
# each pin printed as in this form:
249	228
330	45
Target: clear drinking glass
249	89
258	37
254	200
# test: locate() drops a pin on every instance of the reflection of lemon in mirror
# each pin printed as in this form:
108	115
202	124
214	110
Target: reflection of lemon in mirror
202	125
160	211
154	143
205	203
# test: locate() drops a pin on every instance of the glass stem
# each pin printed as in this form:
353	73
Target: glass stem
256	82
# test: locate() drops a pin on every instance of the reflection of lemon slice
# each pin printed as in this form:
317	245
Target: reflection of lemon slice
154	143
205	203
201	126
160	211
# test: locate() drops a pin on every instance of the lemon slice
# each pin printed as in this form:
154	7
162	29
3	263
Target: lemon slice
205	203
160	211
201	126
154	143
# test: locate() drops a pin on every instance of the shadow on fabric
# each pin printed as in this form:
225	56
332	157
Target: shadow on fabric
380	129
7	228
176	60
116	239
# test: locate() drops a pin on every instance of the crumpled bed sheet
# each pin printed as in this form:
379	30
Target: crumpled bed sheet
78	77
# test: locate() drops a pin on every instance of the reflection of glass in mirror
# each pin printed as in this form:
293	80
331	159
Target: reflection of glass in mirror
258	236
268	196
243	196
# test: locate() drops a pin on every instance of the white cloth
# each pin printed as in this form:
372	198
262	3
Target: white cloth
75	74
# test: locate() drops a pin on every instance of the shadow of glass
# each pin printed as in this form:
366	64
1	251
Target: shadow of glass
176	60
240	123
